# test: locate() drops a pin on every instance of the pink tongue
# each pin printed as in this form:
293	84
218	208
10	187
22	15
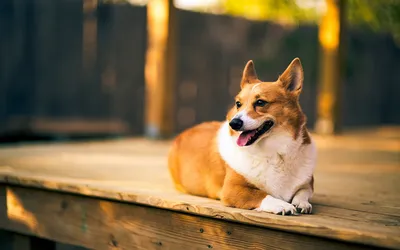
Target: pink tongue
244	137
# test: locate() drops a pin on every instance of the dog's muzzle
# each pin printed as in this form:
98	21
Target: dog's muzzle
236	124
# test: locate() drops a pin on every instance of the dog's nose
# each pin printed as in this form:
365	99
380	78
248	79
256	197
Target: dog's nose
236	124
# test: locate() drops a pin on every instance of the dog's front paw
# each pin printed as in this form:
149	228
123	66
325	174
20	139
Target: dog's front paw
272	205
302	206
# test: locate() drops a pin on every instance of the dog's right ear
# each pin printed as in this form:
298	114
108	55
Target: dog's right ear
249	74
292	78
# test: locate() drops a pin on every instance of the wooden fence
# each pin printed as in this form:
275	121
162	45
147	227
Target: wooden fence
64	69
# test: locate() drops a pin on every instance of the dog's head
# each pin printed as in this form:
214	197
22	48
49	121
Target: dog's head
262	107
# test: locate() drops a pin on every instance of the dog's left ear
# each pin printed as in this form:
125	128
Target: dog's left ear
292	78
249	74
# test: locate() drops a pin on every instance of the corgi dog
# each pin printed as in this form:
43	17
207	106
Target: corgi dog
262	157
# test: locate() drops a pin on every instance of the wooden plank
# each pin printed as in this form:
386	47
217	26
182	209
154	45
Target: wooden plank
335	223
89	40
127	37
102	224
160	68
92	104
46	55
356	196
61	246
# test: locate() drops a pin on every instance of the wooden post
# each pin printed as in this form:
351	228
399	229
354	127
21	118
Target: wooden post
331	36
160	68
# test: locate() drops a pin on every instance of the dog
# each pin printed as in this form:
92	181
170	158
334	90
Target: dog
261	158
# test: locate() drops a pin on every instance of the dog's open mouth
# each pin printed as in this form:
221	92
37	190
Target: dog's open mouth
246	138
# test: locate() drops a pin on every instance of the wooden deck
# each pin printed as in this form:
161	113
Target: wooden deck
118	195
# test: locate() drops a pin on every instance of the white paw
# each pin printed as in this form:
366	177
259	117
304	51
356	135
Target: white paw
302	206
272	205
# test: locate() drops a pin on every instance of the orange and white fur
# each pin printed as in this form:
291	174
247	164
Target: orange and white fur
262	157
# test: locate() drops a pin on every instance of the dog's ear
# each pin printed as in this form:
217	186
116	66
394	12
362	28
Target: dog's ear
249	74
292	78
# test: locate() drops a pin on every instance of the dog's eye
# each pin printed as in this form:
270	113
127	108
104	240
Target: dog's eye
238	104
260	103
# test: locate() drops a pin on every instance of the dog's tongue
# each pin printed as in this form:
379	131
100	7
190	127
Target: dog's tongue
244	137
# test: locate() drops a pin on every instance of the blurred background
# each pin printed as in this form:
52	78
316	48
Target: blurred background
72	69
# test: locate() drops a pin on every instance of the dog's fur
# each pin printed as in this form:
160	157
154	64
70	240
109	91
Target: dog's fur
275	173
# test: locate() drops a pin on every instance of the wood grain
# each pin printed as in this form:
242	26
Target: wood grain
101	224
356	187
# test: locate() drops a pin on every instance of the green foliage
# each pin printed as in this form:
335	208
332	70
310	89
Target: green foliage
278	10
378	15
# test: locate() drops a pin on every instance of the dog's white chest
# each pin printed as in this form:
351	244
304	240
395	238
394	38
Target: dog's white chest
278	170
269	174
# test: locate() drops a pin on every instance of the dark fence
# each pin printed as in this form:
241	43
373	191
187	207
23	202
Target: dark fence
214	49
63	68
